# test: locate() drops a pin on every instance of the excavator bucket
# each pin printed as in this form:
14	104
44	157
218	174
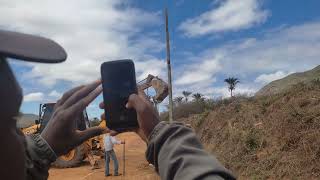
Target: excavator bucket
160	87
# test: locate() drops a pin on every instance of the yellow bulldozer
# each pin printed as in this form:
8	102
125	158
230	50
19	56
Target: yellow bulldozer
93	146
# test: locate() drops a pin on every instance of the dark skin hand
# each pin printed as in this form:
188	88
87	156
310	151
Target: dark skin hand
148	117
61	132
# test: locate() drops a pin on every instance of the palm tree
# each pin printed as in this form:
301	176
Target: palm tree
178	99
186	94
232	82
197	96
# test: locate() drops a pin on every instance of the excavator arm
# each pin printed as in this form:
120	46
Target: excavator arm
160	87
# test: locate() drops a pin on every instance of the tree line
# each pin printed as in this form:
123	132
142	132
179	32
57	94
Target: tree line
231	82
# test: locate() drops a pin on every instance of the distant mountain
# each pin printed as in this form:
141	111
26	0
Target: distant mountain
26	120
280	85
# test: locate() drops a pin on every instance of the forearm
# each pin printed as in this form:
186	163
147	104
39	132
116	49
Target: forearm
115	141
39	156
177	153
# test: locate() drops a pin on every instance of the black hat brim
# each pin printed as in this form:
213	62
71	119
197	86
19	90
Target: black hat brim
30	48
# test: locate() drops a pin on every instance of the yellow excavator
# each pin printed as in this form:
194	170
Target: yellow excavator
75	156
93	146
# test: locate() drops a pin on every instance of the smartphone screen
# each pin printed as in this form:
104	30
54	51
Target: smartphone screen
118	83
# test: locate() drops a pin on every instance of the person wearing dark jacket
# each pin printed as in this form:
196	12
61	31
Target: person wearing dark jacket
173	149
29	157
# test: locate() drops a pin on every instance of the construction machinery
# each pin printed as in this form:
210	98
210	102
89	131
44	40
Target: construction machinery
93	146
75	156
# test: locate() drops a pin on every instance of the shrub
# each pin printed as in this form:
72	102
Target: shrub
201	117
188	108
252	141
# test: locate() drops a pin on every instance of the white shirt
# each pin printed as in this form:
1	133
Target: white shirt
109	141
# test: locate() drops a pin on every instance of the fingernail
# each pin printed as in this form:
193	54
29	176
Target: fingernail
99	88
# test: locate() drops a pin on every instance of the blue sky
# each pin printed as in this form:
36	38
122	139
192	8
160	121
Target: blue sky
257	41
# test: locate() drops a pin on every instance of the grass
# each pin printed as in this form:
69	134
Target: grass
201	118
270	137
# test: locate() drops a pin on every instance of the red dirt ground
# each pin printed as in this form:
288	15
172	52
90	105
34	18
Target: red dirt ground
136	166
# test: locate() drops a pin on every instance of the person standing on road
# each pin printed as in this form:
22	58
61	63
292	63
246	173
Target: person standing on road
109	141
173	149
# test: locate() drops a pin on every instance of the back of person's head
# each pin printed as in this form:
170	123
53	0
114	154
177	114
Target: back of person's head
24	47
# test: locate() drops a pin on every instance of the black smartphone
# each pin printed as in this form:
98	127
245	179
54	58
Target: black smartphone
118	83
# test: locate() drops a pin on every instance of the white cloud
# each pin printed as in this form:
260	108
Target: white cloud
289	49
33	97
41	97
266	78
202	72
225	93
210	90
55	94
155	67
95	31
91	32
281	51
221	91
230	15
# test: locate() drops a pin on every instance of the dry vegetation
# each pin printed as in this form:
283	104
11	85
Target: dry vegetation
269	137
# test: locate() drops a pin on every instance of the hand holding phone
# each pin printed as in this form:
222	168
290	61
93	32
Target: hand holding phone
119	82
147	115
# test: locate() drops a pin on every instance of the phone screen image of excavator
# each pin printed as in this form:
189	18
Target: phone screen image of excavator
118	83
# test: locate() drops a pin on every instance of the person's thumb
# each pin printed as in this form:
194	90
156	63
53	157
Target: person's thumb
133	102
103	116
91	132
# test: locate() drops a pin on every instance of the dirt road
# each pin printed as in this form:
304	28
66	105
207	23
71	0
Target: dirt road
136	167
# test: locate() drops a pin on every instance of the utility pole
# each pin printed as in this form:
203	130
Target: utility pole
124	158
169	68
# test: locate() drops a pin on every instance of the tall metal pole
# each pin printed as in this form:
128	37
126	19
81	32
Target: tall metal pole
124	158
169	68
